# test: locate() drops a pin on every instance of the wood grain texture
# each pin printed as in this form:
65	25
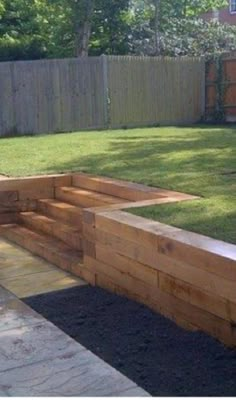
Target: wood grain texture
146	90
183	313
200	251
187	277
50	96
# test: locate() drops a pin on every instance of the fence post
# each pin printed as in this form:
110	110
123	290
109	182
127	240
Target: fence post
106	97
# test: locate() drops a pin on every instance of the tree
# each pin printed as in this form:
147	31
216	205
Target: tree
31	29
157	25
190	37
22	29
82	17
111	27
95	26
175	28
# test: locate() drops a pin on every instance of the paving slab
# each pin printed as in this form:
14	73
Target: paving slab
38	359
148	348
31	344
5	295
9	251
29	265
74	374
40	283
15	314
27	275
3	393
133	392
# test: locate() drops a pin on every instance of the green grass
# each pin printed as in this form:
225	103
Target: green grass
198	160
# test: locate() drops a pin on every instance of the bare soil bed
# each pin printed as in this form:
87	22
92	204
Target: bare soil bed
149	349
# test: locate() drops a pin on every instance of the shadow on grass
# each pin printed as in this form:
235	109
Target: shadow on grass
192	162
205	150
171	162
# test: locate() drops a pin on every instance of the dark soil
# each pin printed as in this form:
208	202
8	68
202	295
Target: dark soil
149	349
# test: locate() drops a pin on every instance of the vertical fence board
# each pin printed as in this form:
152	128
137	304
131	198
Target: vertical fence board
147	90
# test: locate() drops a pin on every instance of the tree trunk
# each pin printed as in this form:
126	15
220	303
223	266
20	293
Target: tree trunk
185	9
83	24
157	4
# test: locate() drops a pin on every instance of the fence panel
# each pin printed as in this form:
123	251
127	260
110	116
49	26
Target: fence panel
221	89
49	96
146	90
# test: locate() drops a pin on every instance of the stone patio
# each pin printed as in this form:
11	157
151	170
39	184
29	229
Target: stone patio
37	358
26	275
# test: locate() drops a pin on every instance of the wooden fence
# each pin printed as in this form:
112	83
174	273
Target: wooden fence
50	96
146	90
221	89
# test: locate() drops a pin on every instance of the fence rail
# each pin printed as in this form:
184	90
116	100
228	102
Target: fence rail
49	96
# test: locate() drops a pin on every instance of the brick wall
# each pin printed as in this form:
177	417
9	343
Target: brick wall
223	15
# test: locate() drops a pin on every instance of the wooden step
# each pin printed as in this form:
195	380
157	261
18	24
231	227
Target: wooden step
59	210
71	236
129	191
85	198
51	249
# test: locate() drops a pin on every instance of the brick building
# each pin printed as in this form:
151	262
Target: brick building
225	15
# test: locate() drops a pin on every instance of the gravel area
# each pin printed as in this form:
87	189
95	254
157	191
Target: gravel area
149	349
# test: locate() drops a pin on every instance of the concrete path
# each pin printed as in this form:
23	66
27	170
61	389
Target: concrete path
37	358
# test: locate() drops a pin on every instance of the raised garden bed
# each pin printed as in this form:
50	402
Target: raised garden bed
149	349
187	277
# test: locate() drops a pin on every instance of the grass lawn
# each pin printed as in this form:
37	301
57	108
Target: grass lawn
200	160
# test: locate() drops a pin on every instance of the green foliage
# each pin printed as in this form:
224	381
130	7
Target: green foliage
185	8
110	27
24	48
177	8
24	29
197	37
31	29
180	29
49	28
188	36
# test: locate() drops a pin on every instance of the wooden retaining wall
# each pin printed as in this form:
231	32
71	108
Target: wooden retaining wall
50	96
187	277
21	194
